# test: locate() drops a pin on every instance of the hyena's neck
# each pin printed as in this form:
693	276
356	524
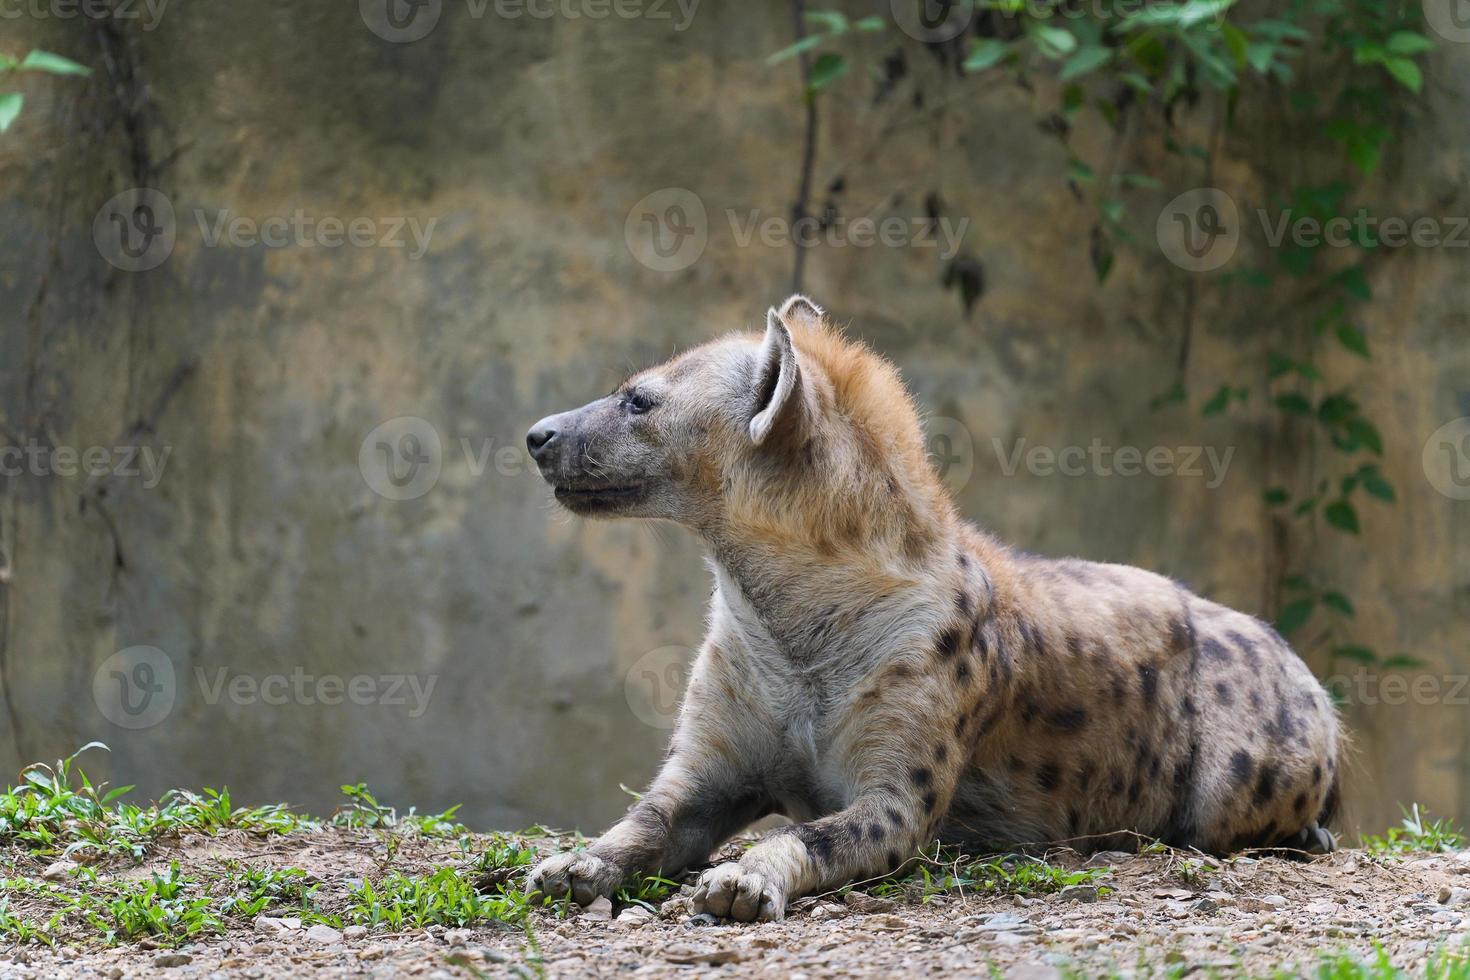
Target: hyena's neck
813	603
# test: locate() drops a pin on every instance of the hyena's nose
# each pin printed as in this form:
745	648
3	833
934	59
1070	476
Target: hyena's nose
541	440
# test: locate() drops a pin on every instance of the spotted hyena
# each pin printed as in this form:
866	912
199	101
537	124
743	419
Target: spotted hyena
885	674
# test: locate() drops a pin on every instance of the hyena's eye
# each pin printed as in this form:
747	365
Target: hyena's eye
639	403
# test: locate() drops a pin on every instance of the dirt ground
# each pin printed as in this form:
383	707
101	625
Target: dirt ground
1156	913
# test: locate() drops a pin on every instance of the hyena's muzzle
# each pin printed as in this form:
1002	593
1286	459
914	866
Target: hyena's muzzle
595	461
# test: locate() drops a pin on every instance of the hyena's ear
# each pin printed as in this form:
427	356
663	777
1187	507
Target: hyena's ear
777	379
802	312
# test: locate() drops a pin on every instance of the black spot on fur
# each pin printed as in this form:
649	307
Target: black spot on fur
1247	647
961	673
1265	785
941	752
959	726
893	859
1074	644
1115	782
1069	720
1016	764
1148	683
1241	766
1256	703
820	840
922	777
1119	688
1048	776
1299	805
1179	635
1223	693
949	642
930	801
1213	649
1084	776
1316	775
895	819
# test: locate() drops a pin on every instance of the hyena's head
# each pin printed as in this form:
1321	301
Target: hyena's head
796	425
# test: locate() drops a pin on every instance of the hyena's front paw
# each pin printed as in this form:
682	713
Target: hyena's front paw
580	874
735	892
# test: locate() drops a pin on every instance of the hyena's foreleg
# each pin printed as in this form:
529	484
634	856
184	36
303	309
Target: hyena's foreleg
902	789
703	795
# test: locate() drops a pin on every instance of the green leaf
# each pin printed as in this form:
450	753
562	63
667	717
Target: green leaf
1054	41
1408	42
1294	615
1355	282
870	25
832	21
1402	661
1080	172
791	51
1405	72
1294	403
1352	338
825	70
1341	515
10	104
1218	403
984	52
1339	602
1276	496
1086	60
55	64
1365	434
1377	486
1360	654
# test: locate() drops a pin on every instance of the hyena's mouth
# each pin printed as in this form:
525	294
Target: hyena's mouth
597	497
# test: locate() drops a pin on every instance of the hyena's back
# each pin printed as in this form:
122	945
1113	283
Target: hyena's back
1131	704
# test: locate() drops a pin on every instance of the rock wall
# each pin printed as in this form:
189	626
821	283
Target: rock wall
455	229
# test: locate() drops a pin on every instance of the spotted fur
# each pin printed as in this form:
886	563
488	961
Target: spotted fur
884	674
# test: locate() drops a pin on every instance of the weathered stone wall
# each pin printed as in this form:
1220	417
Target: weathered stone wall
263	549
